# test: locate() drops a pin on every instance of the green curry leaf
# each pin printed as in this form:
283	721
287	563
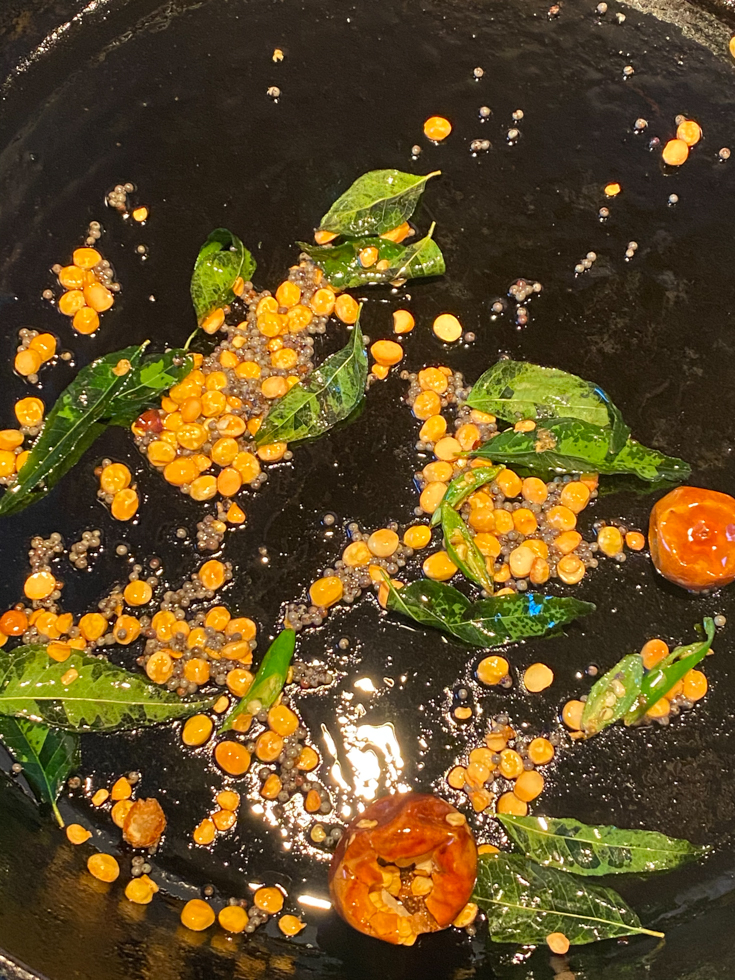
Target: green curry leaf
99	396
507	618
428	603
329	395
567	844
377	202
517	389
71	427
488	622
47	756
83	694
154	376
222	258
574	446
525	903
343	269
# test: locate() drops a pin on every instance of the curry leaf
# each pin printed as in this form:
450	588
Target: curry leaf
463	485
377	202
489	622
507	618
73	424
268	682
429	603
613	694
343	269
329	395
155	374
423	258
113	390
661	678
83	693
525	903
47	756
462	549
517	389
221	260
574	446
567	844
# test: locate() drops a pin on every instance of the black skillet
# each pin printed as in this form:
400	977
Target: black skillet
172	96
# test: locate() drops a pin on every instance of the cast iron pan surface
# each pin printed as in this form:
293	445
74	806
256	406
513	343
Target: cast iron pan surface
172	96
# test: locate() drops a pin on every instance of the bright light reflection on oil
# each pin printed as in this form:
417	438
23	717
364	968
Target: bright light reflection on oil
365	685
374	757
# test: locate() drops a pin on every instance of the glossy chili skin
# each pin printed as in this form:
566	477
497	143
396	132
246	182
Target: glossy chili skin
692	538
404	831
149	421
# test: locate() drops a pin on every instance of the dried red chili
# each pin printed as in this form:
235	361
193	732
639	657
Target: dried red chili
149	421
692	538
407	865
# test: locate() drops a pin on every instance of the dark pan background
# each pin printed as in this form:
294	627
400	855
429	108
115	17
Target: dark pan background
172	95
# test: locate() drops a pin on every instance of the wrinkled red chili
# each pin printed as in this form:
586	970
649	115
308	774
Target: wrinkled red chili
407	865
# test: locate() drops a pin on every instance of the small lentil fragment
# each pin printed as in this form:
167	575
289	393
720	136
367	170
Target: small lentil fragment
122	790
290	925
635	540
76	834
205	833
224	819
383	543
403	322
197	730
233	757
141	890
610	540
509	803
437	128
447	328
492	670
439	567
386	352
228	799
695	685
124	505
558	943
103	867
529	785
417	536
652	652
537	678
39	585
120	811
233	918
540	751
29	411
138	593
675	153
572	714
197	915
689	132
326	591
269	900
